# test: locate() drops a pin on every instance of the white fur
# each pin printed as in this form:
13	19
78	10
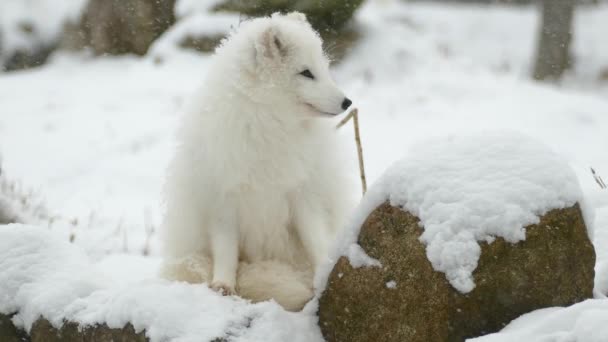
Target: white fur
255	192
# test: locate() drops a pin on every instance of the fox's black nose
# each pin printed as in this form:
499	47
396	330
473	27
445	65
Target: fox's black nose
346	103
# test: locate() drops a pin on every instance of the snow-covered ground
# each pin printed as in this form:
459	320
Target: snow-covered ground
93	135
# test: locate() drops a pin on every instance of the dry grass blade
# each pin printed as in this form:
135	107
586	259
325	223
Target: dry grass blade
598	179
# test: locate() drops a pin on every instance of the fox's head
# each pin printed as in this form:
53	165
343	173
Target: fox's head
287	64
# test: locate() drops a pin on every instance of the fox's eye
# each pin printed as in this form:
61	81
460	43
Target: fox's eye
308	74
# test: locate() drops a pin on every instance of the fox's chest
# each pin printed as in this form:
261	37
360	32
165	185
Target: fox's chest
265	226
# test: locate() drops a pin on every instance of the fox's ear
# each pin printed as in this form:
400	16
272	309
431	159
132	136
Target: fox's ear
269	45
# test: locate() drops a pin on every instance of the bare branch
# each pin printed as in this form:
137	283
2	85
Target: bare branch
598	179
354	114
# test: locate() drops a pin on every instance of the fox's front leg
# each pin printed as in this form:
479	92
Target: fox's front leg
312	227
224	239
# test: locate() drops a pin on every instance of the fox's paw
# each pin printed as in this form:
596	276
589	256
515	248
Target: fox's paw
223	288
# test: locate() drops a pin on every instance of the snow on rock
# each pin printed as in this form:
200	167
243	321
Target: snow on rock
44	276
192	26
196	19
466	190
185	7
585	321
39	274
358	258
26	24
391	284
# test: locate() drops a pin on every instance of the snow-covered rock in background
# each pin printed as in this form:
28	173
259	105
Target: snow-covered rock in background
122	26
325	16
200	31
29	30
499	209
197	27
201	25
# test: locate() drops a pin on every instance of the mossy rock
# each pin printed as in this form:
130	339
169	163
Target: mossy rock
120	26
8	331
30	57
324	15
328	17
201	43
554	266
43	331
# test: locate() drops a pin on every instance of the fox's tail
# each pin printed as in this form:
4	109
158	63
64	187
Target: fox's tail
257	281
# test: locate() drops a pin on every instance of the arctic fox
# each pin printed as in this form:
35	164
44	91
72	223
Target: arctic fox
255	191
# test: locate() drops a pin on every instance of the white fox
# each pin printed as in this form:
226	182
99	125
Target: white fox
256	192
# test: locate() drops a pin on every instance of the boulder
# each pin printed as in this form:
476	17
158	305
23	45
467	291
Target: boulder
202	27
121	26
8	331
328	17
24	59
407	300
324	15
43	331
29	56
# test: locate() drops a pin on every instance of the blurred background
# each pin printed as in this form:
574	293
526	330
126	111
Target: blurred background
91	91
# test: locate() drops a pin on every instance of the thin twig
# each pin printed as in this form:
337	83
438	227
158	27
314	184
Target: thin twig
354	114
345	120
598	179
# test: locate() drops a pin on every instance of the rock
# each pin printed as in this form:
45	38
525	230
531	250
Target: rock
328	17
121	26
34	55
324	15
43	331
201	43
554	266
8	331
28	59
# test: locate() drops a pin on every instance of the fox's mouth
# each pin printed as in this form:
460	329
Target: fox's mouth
317	110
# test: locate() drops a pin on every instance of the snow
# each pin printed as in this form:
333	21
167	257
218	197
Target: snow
96	148
46	276
391	284
46	17
585	321
358	258
466	190
195	25
195	20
